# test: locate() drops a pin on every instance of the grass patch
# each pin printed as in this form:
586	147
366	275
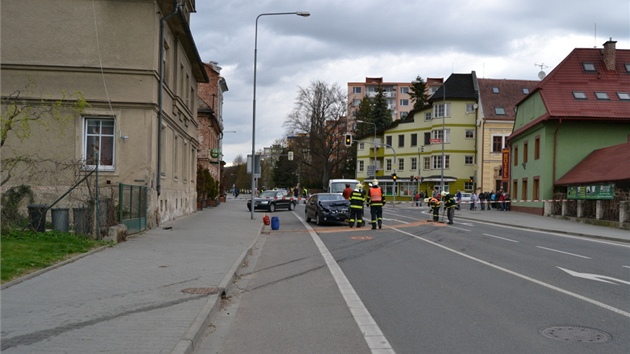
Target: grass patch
24	252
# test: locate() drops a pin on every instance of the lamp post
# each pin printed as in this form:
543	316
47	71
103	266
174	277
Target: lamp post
299	13
374	124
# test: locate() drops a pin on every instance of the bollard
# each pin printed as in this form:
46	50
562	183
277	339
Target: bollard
275	223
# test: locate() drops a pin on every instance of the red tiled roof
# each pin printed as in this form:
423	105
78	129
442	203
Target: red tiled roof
510	93
609	164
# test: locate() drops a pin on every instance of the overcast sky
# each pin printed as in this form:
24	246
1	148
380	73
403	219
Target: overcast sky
348	40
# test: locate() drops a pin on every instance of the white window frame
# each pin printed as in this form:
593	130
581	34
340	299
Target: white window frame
437	134
401	164
503	143
436	162
361	146
361	165
388	164
442	110
414	163
357	90
469	134
100	135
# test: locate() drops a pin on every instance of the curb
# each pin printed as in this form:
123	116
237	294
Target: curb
192	337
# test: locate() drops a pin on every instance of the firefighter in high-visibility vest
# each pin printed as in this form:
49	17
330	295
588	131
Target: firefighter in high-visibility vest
357	198
434	204
376	200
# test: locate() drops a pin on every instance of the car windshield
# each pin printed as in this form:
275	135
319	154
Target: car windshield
329	197
268	194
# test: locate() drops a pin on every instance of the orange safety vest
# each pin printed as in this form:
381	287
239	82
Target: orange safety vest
376	195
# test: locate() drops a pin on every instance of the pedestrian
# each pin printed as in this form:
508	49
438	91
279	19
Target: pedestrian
434	204
474	199
296	192
421	197
376	199
458	198
357	198
502	200
449	204
482	200
347	191
305	193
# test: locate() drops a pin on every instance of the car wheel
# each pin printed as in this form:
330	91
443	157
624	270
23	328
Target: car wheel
272	207
291	206
308	219
318	219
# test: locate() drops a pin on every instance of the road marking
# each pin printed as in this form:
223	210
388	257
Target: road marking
522	276
570	254
626	266
400	221
502	238
361	237
597	277
372	334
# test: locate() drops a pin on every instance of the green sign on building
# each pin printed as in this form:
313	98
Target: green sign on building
214	153
592	191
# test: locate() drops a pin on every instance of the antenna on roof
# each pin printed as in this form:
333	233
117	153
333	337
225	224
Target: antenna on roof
541	74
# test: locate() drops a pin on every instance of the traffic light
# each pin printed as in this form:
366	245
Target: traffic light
348	139
394	177
472	179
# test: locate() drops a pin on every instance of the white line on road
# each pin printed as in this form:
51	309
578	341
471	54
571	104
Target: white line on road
626	266
570	254
522	276
502	238
372	334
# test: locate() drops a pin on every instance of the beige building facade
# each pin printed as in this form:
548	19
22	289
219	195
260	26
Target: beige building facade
109	52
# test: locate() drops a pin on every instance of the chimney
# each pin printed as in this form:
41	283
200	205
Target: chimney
609	54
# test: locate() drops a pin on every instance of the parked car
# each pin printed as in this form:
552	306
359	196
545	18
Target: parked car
272	200
327	207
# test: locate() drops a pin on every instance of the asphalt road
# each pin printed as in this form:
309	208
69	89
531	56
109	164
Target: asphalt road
470	287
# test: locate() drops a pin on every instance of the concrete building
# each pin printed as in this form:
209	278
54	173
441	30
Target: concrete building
137	131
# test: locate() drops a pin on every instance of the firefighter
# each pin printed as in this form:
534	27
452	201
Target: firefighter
449	204
434	204
376	200
357	198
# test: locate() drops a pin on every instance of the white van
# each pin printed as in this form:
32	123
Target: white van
338	185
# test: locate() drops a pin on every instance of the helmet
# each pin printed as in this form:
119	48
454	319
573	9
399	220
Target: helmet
375	182
358	186
444	193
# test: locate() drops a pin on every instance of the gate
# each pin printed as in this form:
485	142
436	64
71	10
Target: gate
132	209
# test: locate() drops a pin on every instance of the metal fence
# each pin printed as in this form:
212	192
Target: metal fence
132	210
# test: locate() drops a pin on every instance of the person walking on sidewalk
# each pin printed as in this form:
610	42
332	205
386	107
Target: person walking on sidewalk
357	198
376	200
449	204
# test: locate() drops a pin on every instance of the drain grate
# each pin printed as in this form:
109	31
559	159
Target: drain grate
201	291
576	334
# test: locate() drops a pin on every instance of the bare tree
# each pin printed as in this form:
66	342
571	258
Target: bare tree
320	114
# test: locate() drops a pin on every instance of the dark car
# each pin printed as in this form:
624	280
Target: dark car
327	207
272	200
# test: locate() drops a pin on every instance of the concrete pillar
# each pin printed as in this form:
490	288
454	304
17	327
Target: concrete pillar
599	210
623	213
565	204
580	213
547	208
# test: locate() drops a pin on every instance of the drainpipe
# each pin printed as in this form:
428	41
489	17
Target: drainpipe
158	184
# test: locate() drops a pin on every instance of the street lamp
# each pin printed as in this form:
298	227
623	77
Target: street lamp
374	124
299	13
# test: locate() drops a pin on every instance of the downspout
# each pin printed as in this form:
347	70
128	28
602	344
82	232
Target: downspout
158	184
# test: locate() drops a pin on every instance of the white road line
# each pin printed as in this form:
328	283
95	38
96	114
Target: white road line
626	266
522	276
372	334
570	254
502	238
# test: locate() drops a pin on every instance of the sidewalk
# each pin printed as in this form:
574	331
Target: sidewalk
538	222
152	294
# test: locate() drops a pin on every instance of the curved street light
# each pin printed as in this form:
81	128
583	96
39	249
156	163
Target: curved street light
299	13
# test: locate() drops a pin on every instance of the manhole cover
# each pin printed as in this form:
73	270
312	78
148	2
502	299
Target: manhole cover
201	291
576	334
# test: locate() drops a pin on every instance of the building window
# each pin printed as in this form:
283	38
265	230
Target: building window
403	115
414	163
427	138
356	90
588	67
525	91
401	140
98	142
436	162
524	189
388	164
470	107
624	96
601	95
498	143
404	90
627	65
469	160
470	134
525	151
414	139
537	148
437	135
356	102
495	90
579	95
401	164
361	146
515	188
361	165
427	116
536	189
426	163
404	102
442	110
499	111
515	155
388	140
